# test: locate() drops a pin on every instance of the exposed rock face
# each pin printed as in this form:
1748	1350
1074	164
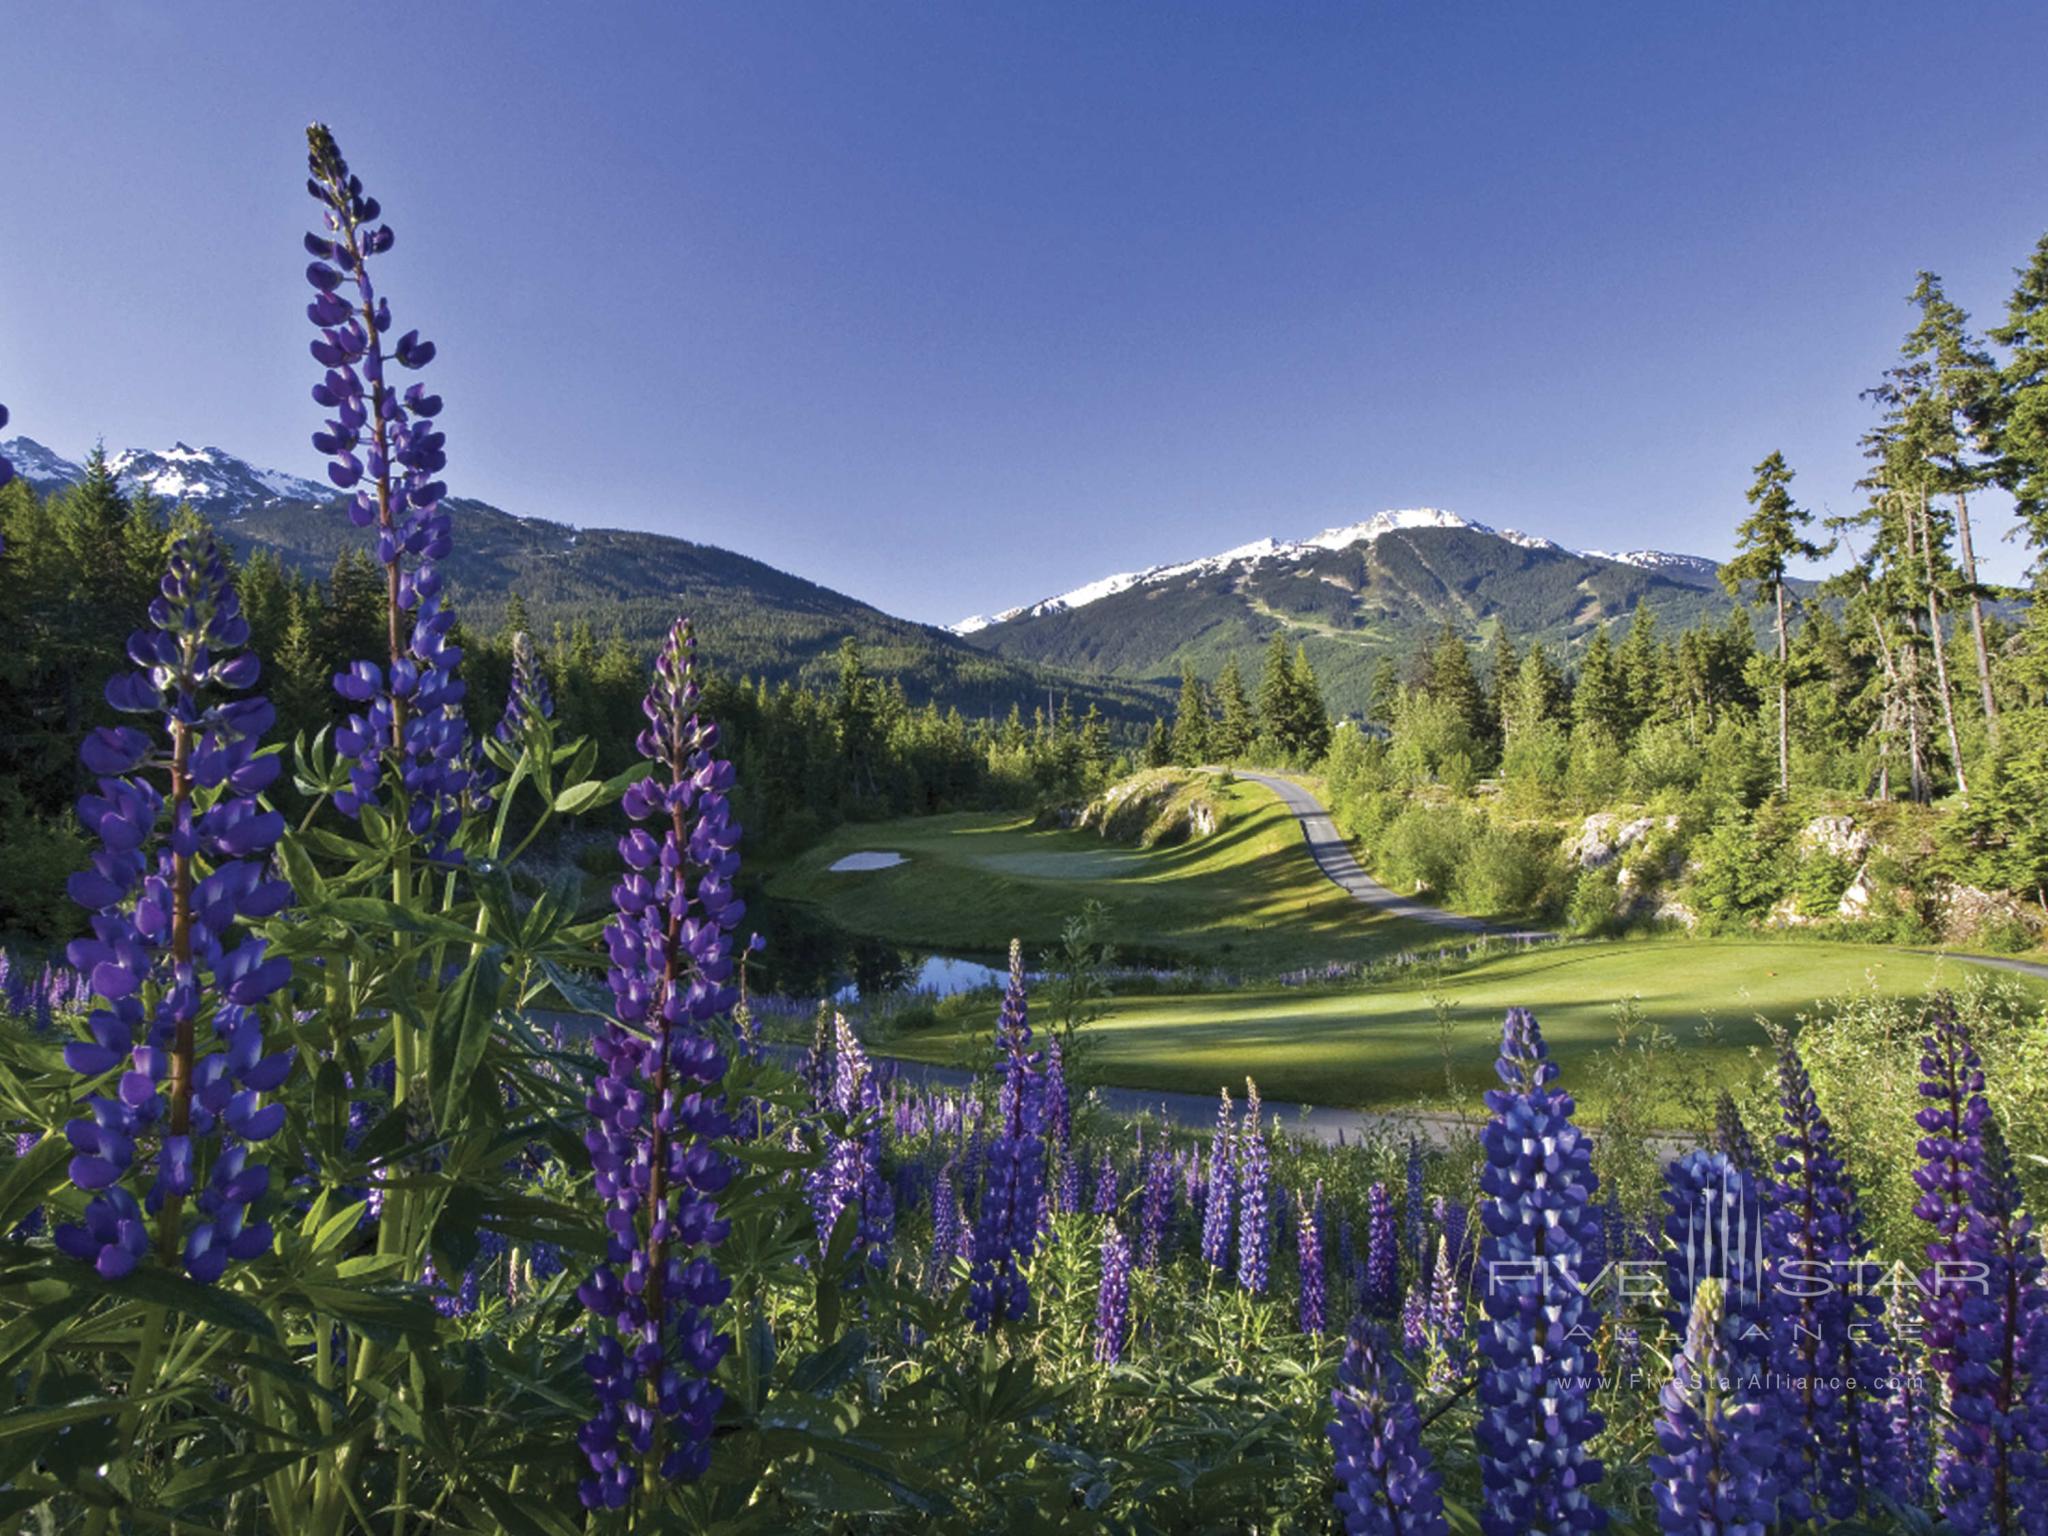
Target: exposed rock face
1856	900
1604	837
1837	836
1967	912
1671	911
1156	808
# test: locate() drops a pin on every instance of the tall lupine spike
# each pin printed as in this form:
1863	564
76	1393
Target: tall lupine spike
1715	1228
1732	1138
529	699
1113	1300
6	468
1823	1320
1309	1250
1104	1202
1716	1452
1953	1116
385	447
1006	1231
1386	1482
852	1171
1446	1320
1536	1416
1994	1478
948	1225
1059	1118
1382	1298
178	874
1216	1225
656	1107
1157	1204
1254	1199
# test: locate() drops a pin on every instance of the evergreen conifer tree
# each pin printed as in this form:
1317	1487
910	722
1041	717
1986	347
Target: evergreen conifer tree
1768	540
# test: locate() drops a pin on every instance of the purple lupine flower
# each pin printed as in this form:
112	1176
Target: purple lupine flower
1411	1213
1445	1319
1732	1138
1059	1118
1068	1196
1951	1151
1904	1417
6	469
656	1108
1216	1228
1715	1228
1818	1332
1716	1450
948	1223
1309	1248
1006	1230
386	449
1104	1203
1535	1411
1414	1323
1382	1296
1386	1482
851	1174
1254	1206
529	699
1994	1477
1113	1300
1155	1207
178	875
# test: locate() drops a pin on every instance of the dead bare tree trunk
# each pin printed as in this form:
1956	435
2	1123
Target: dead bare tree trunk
1784	699
1948	699
1969	560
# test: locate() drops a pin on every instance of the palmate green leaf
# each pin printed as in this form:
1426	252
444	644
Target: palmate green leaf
300	869
519	1516
462	1030
39	1421
219	1476
25	1183
378	914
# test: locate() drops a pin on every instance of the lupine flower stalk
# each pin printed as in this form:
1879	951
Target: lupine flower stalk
1535	1415
1951	1153
1309	1246
1715	1450
1113	1300
1386	1482
1382	1298
656	1107
1254	1213
1715	1228
529	699
384	447
178	873
1157	1203
1216	1226
1823	1322
1994	1478
1411	1212
6	468
1007	1228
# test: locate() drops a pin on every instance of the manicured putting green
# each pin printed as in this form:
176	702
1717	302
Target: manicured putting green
1377	1047
1249	897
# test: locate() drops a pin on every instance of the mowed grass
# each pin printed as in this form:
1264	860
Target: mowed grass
1377	1047
1249	897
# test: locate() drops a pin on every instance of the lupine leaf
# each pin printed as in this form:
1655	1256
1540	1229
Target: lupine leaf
462	1030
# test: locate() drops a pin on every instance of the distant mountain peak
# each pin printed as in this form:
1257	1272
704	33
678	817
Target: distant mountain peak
210	478
1343	536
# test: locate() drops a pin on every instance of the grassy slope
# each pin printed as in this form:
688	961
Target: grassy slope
1377	1046
1248	896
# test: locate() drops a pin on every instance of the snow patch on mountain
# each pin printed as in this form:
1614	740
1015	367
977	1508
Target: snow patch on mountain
1259	550
1658	560
208	477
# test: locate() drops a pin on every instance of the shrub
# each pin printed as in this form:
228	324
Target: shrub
1425	845
1533	769
1509	871
1740	872
1664	757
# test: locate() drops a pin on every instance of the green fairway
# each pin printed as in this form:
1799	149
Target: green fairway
1249	896
1377	1046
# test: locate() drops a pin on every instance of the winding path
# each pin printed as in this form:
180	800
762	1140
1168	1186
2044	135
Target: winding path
1340	865
1335	859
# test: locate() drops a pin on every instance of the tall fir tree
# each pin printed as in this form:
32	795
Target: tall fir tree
1767	541
1191	724
1237	724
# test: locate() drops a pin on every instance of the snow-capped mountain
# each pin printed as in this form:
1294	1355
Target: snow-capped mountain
1246	556
44	468
211	479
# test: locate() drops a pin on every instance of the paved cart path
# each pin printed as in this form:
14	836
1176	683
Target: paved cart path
1340	865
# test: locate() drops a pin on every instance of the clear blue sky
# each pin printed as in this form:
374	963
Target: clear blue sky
953	305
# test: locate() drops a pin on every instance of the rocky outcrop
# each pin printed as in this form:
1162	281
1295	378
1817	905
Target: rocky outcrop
1157	808
1970	914
1836	836
1605	837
